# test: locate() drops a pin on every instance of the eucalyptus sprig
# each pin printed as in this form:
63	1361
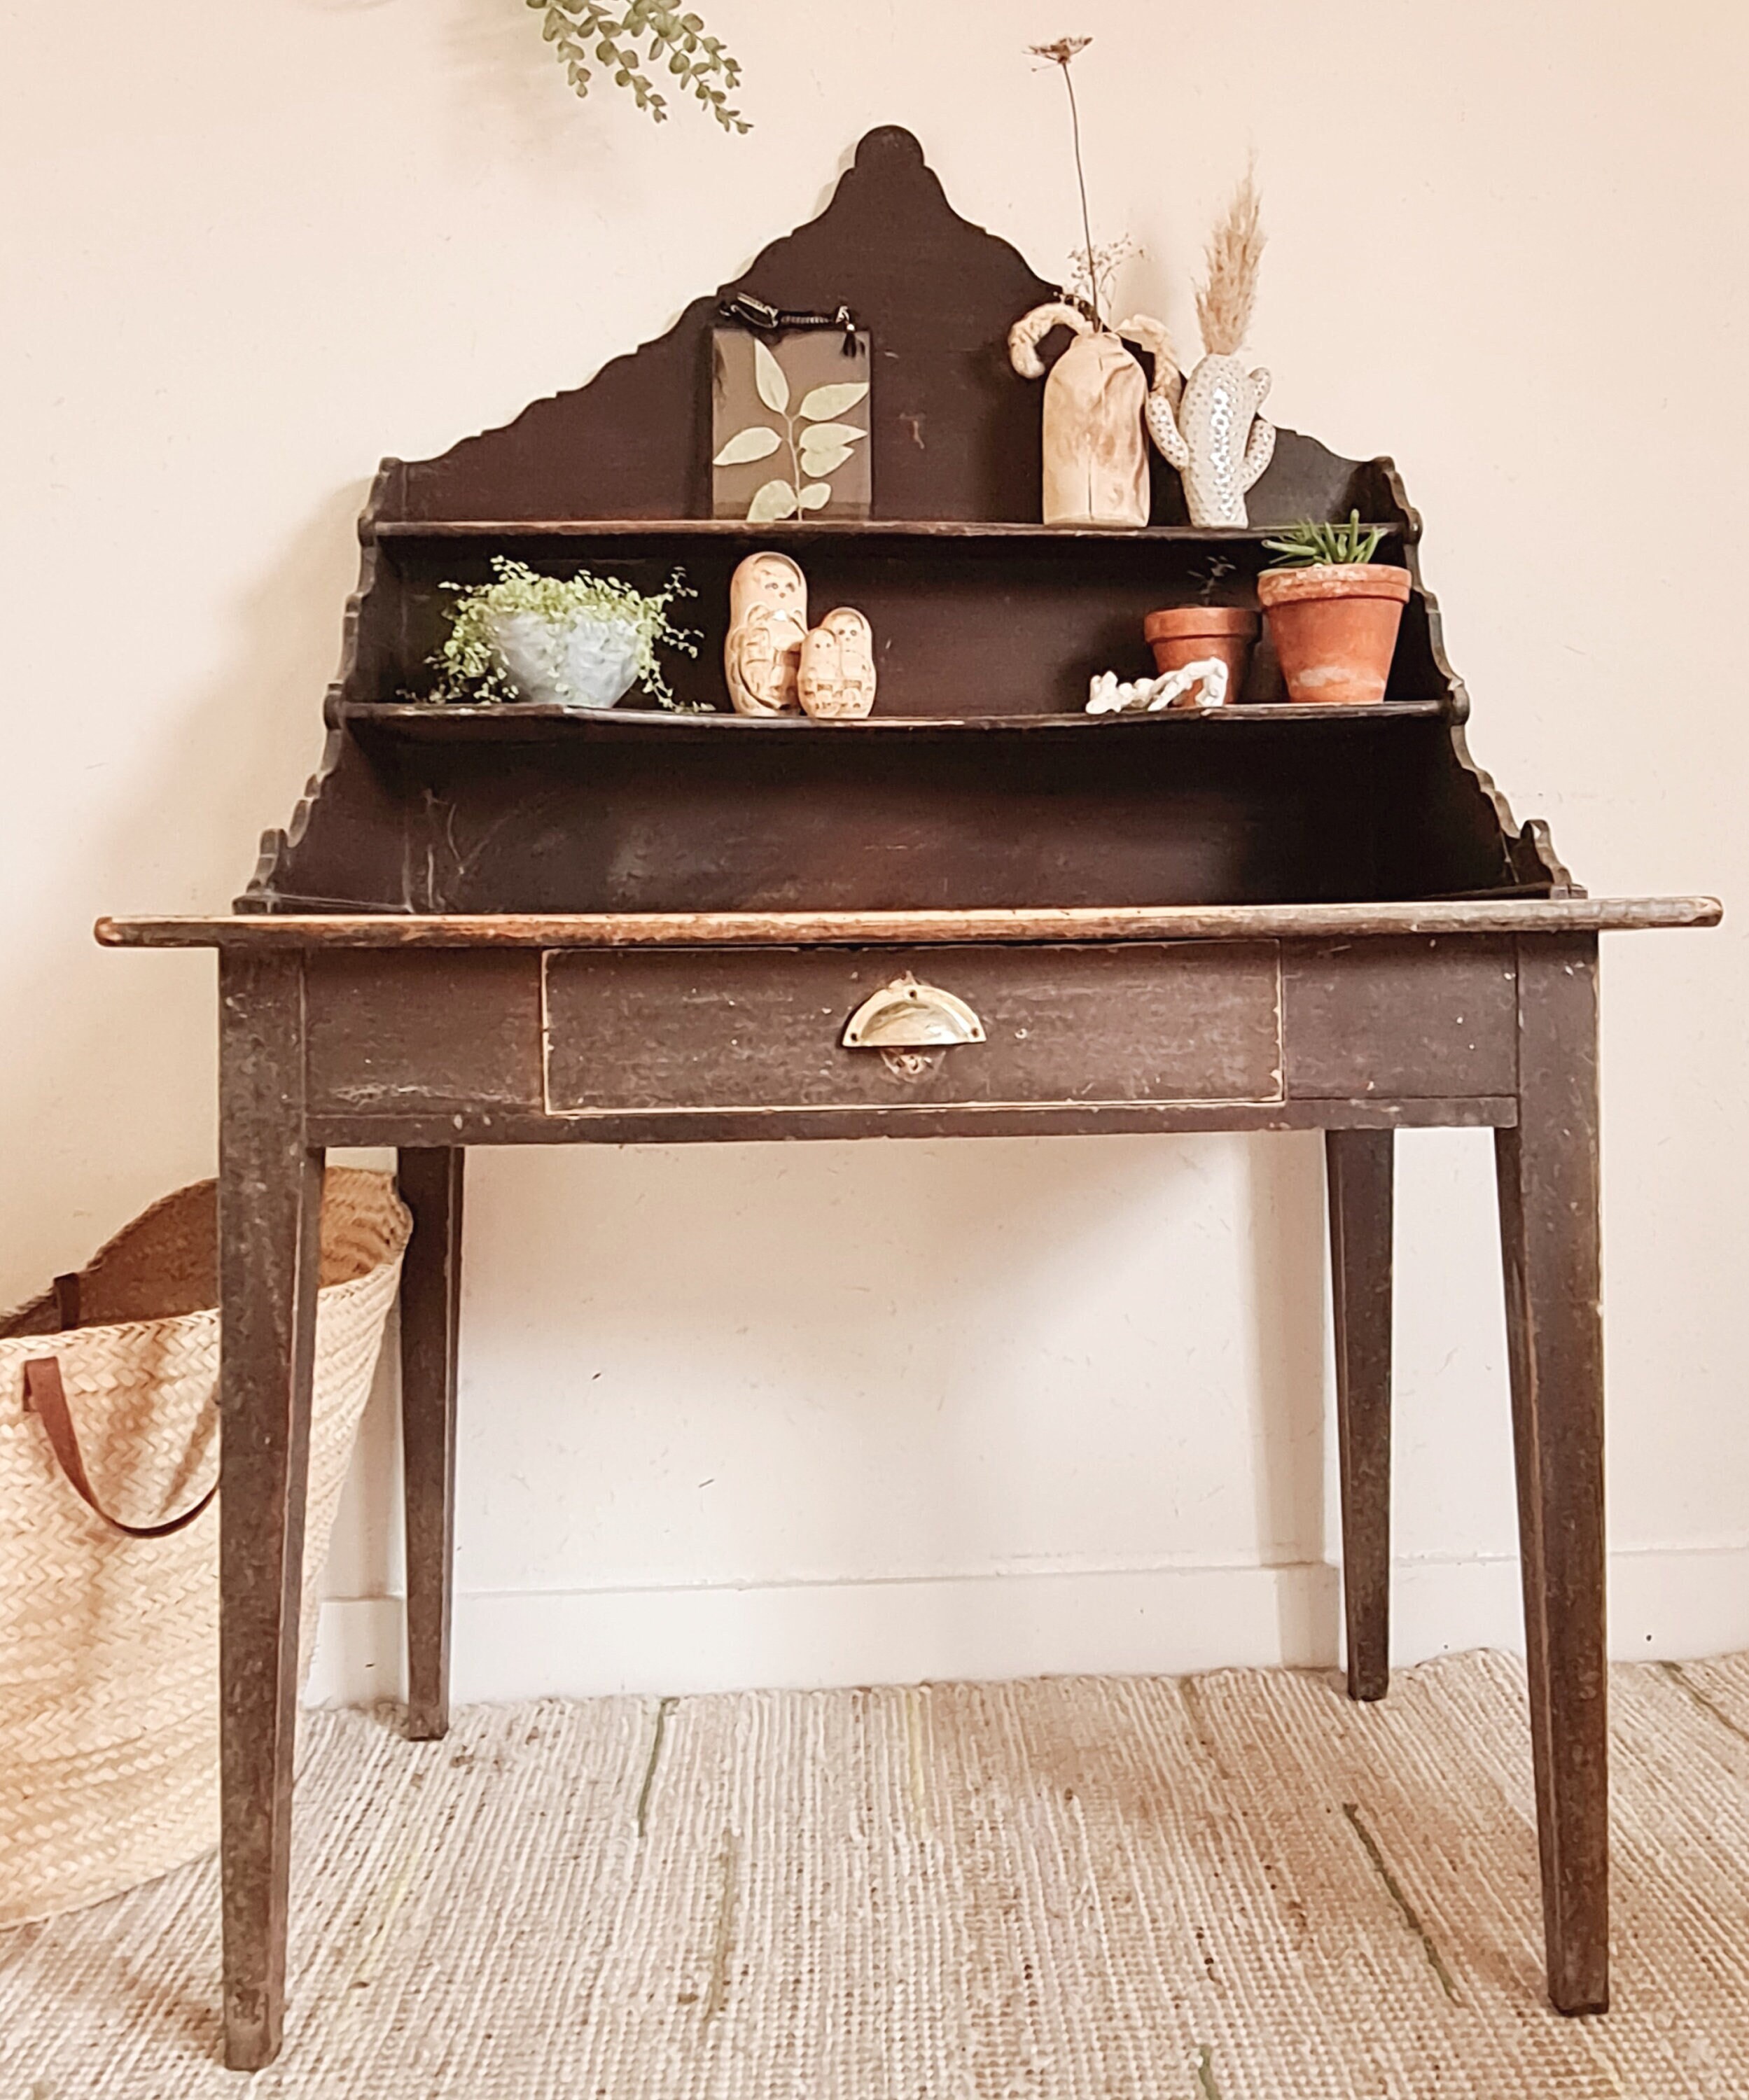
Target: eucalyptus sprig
1339	544
469	661
587	33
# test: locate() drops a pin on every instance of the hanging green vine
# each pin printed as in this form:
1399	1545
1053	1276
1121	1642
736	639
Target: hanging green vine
588	33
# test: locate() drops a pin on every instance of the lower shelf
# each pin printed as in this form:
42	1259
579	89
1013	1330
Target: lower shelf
524	722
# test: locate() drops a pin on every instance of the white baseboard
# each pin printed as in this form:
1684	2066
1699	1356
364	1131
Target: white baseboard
1663	1604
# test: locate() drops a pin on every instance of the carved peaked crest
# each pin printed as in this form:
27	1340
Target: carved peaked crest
955	435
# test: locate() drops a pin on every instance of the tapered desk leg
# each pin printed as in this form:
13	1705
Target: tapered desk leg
1358	1166
270	1190
1547	1171
430	1184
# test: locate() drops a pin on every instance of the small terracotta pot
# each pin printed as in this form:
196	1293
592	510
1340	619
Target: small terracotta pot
1335	627
1191	633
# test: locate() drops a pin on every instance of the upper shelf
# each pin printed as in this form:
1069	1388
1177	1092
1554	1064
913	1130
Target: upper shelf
824	528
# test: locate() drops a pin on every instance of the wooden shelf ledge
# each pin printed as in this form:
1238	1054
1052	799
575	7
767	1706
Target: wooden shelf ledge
523	721
823	528
695	929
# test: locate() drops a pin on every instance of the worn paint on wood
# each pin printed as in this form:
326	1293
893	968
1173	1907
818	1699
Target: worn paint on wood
1134	922
1429	1016
1549	1232
739	1029
430	1186
423	1033
1359	1166
741	1126
269	1266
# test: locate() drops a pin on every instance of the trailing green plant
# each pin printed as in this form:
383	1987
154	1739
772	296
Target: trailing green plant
1339	544
587	33
468	663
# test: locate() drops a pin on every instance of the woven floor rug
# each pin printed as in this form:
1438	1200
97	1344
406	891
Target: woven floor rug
1232	1887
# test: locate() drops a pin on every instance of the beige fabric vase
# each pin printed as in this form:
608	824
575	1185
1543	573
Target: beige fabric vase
1095	452
109	1644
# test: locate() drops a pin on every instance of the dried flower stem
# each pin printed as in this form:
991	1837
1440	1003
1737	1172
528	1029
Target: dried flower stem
1080	178
1062	53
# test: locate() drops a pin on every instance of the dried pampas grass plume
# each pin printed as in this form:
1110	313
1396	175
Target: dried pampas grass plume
1228	293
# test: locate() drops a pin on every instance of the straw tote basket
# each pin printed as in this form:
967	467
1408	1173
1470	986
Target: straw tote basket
109	1635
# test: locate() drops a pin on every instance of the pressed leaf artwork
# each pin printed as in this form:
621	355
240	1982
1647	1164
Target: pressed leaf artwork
757	443
769	377
820	403
790	424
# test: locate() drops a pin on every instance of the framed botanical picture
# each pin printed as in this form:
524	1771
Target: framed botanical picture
789	426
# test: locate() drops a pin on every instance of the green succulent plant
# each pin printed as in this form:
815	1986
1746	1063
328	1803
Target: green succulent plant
471	673
587	33
1339	544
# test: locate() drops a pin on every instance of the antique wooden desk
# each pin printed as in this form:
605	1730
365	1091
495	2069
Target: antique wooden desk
514	926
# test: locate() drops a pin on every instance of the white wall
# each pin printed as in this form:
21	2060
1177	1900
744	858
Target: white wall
834	1413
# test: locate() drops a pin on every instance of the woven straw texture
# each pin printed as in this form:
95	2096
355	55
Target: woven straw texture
109	1723
1239	1886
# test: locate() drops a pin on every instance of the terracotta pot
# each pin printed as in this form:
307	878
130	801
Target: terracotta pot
1335	627
1191	633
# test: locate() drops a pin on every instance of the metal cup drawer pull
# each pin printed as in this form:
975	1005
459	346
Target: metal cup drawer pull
908	1015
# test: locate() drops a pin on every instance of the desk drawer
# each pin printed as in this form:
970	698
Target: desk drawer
697	1029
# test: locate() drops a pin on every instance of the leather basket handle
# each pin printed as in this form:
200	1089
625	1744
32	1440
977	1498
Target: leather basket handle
46	1397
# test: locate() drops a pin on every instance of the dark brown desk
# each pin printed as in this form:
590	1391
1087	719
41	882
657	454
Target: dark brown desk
512	925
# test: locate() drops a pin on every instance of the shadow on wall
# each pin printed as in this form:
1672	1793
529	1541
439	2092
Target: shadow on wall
511	97
757	1364
1289	1257
110	1092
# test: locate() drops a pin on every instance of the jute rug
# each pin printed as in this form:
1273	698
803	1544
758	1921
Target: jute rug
1232	1887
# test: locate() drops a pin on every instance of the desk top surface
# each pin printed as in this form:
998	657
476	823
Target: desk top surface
264	932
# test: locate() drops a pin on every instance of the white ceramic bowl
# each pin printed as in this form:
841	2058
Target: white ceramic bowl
586	662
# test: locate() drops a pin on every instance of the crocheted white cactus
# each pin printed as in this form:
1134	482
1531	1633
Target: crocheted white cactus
1208	426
